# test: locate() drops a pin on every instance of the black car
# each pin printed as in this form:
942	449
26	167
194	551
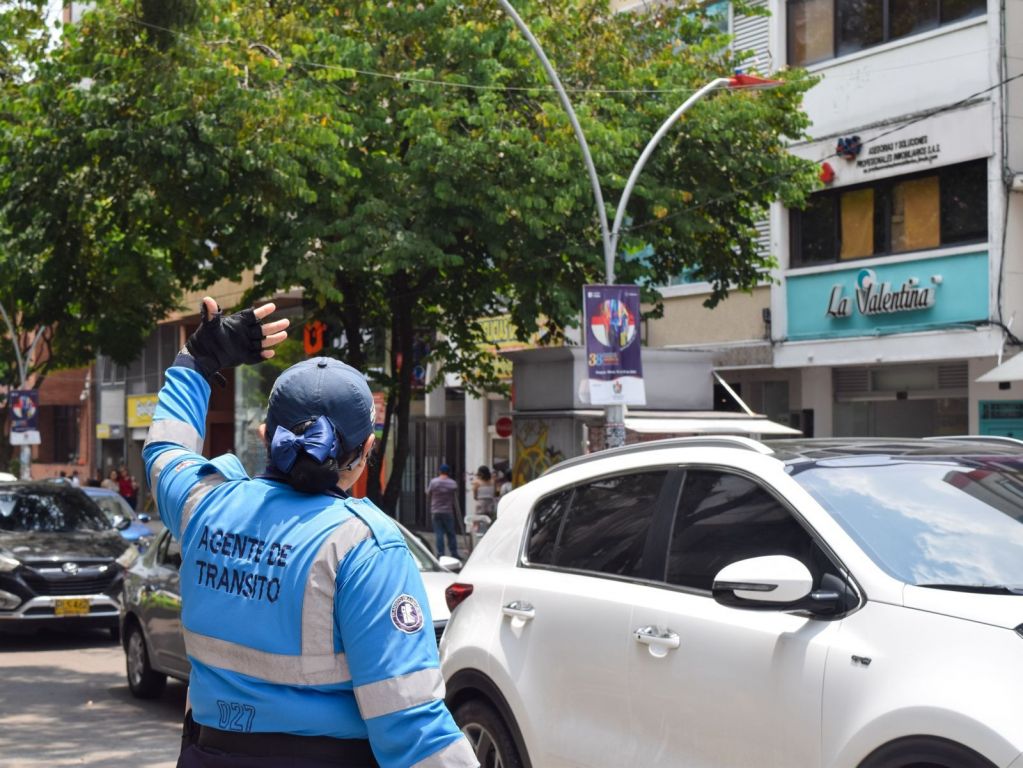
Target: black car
62	562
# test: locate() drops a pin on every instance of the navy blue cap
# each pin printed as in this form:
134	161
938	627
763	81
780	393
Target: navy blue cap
322	386
445	469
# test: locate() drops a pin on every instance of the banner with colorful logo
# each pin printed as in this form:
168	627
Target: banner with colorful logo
24	409
611	320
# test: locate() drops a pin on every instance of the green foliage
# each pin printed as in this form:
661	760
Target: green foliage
405	163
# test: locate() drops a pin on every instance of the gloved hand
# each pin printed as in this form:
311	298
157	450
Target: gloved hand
225	341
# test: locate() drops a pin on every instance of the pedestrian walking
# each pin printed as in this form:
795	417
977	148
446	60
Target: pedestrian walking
442	498
76	481
304	615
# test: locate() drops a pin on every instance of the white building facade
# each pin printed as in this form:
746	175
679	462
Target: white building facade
900	282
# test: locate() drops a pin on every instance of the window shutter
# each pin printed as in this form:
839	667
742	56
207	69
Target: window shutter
753	33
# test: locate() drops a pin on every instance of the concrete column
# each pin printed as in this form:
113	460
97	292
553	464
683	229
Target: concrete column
435	399
477	443
817	394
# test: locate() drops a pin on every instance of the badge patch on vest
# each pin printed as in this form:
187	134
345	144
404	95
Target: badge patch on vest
406	614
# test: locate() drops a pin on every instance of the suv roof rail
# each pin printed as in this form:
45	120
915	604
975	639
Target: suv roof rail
1008	442
700	441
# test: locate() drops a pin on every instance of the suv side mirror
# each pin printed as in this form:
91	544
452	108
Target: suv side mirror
450	563
144	518
773	582
120	523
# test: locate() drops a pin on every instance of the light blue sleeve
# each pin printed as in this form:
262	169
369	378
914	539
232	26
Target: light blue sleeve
173	449
389	643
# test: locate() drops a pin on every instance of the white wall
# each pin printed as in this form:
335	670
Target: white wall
816	393
899	78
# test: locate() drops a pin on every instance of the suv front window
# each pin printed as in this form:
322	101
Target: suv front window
941	522
723	518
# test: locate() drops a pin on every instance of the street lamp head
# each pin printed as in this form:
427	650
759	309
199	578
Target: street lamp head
741	80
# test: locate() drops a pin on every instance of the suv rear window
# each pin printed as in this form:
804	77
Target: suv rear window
55	511
600	526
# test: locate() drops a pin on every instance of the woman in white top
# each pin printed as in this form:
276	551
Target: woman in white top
484	492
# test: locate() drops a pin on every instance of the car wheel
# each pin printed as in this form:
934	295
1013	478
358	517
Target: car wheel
488	735
144	681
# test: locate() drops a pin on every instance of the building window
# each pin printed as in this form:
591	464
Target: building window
910	213
819	30
59	424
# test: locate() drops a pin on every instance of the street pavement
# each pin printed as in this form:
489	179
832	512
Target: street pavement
64	701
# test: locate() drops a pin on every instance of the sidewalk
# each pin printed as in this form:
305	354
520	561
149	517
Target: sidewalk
429	540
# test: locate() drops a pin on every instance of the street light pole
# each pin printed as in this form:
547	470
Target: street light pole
713	85
25	456
614	415
598	194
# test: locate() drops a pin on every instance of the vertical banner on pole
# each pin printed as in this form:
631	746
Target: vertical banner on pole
614	368
24	409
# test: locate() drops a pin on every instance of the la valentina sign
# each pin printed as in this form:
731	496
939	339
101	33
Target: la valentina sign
874	297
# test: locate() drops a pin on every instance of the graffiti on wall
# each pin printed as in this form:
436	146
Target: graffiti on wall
535	451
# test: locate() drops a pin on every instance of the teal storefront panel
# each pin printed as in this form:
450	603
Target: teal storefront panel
889	298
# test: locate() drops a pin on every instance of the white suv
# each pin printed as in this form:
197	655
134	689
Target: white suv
711	602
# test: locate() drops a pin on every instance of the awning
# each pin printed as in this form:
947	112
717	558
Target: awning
1010	370
708	426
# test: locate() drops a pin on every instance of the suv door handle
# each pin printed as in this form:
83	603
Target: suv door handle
519	609
660	640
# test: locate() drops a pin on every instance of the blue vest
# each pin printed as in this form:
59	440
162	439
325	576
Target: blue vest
302	613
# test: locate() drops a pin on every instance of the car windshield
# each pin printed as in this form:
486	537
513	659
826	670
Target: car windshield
113	506
948	522
49	511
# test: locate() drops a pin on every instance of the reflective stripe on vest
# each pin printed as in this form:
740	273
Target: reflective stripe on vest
160	463
317	664
321	587
195	495
177	432
397	693
457	754
272	667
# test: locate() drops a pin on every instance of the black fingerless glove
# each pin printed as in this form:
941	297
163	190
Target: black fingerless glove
224	341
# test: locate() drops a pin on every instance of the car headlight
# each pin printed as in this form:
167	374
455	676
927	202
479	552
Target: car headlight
8	563
128	558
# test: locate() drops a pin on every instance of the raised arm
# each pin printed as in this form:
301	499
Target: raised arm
173	448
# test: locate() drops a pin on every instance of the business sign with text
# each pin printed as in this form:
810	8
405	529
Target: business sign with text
888	298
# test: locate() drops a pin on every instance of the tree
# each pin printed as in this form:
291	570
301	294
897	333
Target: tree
471	198
137	165
405	163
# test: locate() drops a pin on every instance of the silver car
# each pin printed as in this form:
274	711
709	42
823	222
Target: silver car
151	610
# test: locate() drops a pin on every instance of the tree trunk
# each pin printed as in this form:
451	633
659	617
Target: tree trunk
6	451
351	318
403	337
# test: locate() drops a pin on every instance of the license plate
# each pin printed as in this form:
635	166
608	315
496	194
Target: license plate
72	607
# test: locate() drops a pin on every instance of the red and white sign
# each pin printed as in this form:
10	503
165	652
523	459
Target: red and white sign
503	426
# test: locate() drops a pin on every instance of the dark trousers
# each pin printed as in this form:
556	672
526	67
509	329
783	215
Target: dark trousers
195	755
444	525
206	757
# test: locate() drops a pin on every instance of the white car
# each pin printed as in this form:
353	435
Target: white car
719	602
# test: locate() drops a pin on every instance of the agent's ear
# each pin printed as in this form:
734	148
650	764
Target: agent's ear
261	431
367	448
